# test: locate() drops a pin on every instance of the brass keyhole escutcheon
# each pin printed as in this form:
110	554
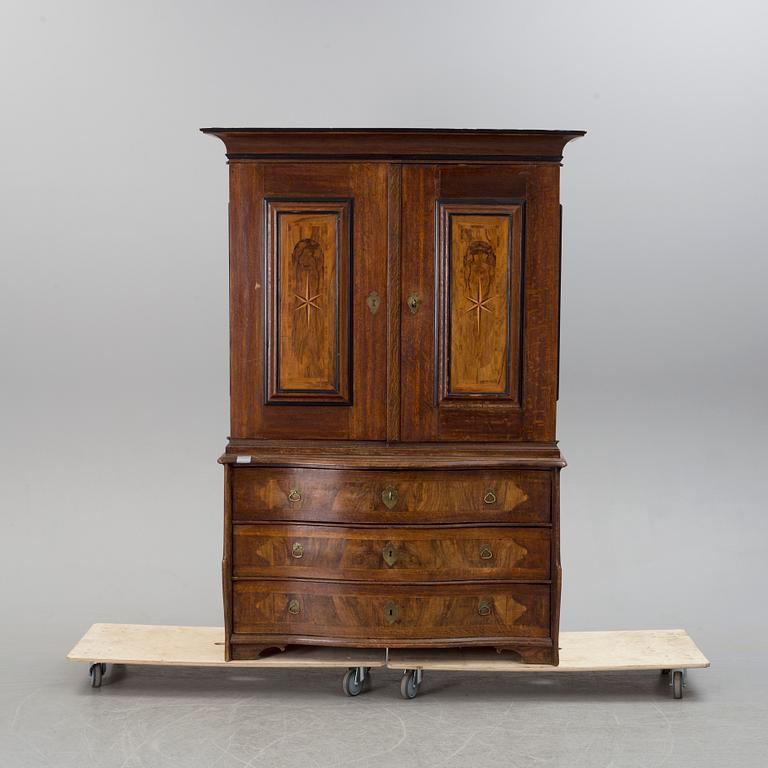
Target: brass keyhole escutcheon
374	302
490	496
389	497
297	550
294	495
486	553
294	607
413	302
484	608
390	553
390	613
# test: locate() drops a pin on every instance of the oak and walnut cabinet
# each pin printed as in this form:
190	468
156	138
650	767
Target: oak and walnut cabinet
392	474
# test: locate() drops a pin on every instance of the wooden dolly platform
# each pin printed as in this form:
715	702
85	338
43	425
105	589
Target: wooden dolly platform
668	650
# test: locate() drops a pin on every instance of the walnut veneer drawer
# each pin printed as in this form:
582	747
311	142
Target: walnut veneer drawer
375	613
369	496
393	554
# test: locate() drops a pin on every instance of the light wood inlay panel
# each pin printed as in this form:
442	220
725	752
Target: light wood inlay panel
308	317
480	247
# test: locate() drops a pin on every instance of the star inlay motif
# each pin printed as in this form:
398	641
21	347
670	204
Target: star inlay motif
306	301
478	304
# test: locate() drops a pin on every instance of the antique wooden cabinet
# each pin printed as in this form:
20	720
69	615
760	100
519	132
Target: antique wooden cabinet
391	478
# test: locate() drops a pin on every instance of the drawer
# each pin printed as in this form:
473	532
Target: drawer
393	554
375	612
373	496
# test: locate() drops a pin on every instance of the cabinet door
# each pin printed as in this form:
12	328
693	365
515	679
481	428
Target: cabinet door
308	291
480	292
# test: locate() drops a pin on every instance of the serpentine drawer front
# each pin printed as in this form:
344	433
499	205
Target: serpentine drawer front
392	554
392	473
349	496
355	611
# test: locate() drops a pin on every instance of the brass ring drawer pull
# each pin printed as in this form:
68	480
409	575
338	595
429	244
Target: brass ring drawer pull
297	550
293	607
490	496
294	495
484	608
486	553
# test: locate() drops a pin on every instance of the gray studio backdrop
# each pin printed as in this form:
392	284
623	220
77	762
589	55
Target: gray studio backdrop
113	291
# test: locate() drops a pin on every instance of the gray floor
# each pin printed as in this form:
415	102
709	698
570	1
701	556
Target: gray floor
147	717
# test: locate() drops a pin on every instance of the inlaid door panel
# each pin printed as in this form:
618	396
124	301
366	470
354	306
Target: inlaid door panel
480	300
308	301
480	272
308	248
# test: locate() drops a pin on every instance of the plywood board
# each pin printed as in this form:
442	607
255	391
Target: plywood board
202	647
579	652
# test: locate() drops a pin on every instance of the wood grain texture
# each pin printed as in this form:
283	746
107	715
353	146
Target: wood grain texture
252	185
394	208
376	615
325	454
615	650
393	143
391	554
179	646
528	413
394	365
353	496
226	560
480	321
174	646
308	301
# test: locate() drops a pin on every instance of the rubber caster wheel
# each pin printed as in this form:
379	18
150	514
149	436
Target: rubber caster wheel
409	684
97	672
677	684
354	680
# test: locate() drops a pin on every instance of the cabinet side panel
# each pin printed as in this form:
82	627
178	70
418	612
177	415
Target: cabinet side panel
246	289
542	288
226	562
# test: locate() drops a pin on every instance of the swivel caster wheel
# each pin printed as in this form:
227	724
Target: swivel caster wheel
354	680
678	682
410	682
97	671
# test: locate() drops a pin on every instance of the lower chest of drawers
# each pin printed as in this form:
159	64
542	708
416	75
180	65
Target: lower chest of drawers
376	559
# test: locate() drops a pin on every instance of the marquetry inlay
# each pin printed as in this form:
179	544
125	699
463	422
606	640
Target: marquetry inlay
481	263
478	304
309	256
306	301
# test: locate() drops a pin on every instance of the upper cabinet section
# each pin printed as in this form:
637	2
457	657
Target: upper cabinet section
394	285
414	144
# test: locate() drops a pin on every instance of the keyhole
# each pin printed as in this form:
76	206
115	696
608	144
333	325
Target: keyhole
390	613
389	553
